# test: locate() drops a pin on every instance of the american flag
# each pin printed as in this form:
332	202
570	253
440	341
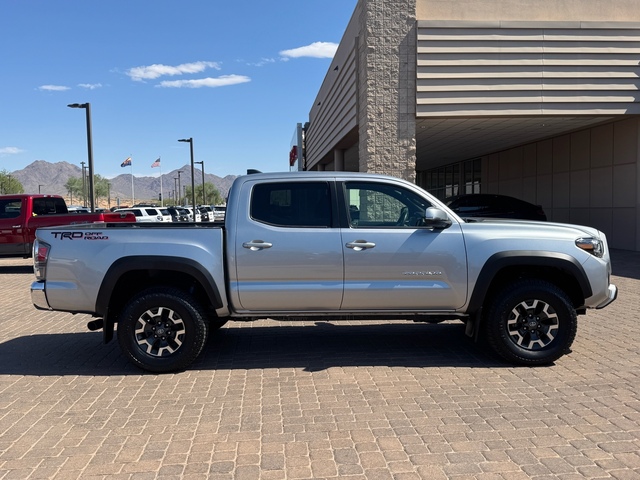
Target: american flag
156	163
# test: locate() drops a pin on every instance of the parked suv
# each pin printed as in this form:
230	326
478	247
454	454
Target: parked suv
178	214
146	214
198	216
219	212
206	212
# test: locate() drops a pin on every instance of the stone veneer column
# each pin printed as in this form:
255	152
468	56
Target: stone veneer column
387	87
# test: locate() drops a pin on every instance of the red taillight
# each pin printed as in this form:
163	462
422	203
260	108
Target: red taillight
40	257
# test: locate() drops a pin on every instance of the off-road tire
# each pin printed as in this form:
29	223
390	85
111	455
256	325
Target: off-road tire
162	329
532	322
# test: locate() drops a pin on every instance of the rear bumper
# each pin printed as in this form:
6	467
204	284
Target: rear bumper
39	296
612	294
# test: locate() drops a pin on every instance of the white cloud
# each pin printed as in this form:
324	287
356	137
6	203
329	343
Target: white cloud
262	62
222	81
315	50
53	88
9	151
151	72
90	86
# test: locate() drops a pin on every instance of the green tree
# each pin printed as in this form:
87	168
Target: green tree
101	186
74	187
9	184
213	196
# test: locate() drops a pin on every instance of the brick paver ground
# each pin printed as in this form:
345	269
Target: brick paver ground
364	400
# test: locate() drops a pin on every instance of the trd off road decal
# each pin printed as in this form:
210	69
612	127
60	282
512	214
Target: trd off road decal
79	236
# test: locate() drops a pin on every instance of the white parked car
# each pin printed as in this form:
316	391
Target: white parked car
219	212
198	217
146	214
77	209
166	215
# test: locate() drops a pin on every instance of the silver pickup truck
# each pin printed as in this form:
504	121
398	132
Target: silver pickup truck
325	245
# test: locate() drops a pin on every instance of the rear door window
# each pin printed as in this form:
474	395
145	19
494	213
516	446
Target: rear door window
48	206
292	204
10	208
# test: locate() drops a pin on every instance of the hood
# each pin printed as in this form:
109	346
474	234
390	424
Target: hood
530	227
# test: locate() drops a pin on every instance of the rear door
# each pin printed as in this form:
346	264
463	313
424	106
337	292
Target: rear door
391	262
287	249
12	231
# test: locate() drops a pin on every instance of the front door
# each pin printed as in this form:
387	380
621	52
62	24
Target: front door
391	263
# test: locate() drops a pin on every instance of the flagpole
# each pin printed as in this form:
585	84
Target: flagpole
133	195
161	195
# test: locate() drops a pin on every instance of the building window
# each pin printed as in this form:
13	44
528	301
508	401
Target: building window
451	180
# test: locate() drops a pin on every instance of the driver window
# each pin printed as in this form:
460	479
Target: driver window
384	206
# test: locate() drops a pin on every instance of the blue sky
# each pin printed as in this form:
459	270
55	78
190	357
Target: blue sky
234	76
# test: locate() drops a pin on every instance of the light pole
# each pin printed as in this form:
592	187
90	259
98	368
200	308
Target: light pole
179	172
175	189
87	107
204	198
193	185
84	185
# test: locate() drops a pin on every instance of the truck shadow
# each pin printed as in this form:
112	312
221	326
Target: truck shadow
311	348
333	344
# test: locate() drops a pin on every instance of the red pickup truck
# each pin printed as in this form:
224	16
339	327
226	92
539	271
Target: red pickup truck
21	215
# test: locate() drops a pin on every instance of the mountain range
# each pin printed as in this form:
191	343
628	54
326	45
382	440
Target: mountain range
50	178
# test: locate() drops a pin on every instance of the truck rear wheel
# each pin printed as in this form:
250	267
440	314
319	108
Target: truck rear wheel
531	323
162	330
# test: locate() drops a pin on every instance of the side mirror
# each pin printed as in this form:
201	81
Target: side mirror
436	219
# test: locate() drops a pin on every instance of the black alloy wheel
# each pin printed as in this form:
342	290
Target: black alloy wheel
162	329
532	322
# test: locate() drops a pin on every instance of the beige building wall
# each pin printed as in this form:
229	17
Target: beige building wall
529	10
476	69
567	64
588	177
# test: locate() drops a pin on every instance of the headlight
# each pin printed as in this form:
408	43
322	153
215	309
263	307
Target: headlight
592	245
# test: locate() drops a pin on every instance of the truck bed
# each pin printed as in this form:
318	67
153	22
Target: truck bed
98	250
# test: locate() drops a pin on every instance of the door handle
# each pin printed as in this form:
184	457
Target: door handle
255	245
359	245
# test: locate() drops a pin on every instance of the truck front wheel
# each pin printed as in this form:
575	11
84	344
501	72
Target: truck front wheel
162	330
531	323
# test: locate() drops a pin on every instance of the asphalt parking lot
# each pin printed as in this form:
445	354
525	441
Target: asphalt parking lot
363	400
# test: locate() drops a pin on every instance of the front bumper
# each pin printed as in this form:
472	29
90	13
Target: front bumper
612	294
39	296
